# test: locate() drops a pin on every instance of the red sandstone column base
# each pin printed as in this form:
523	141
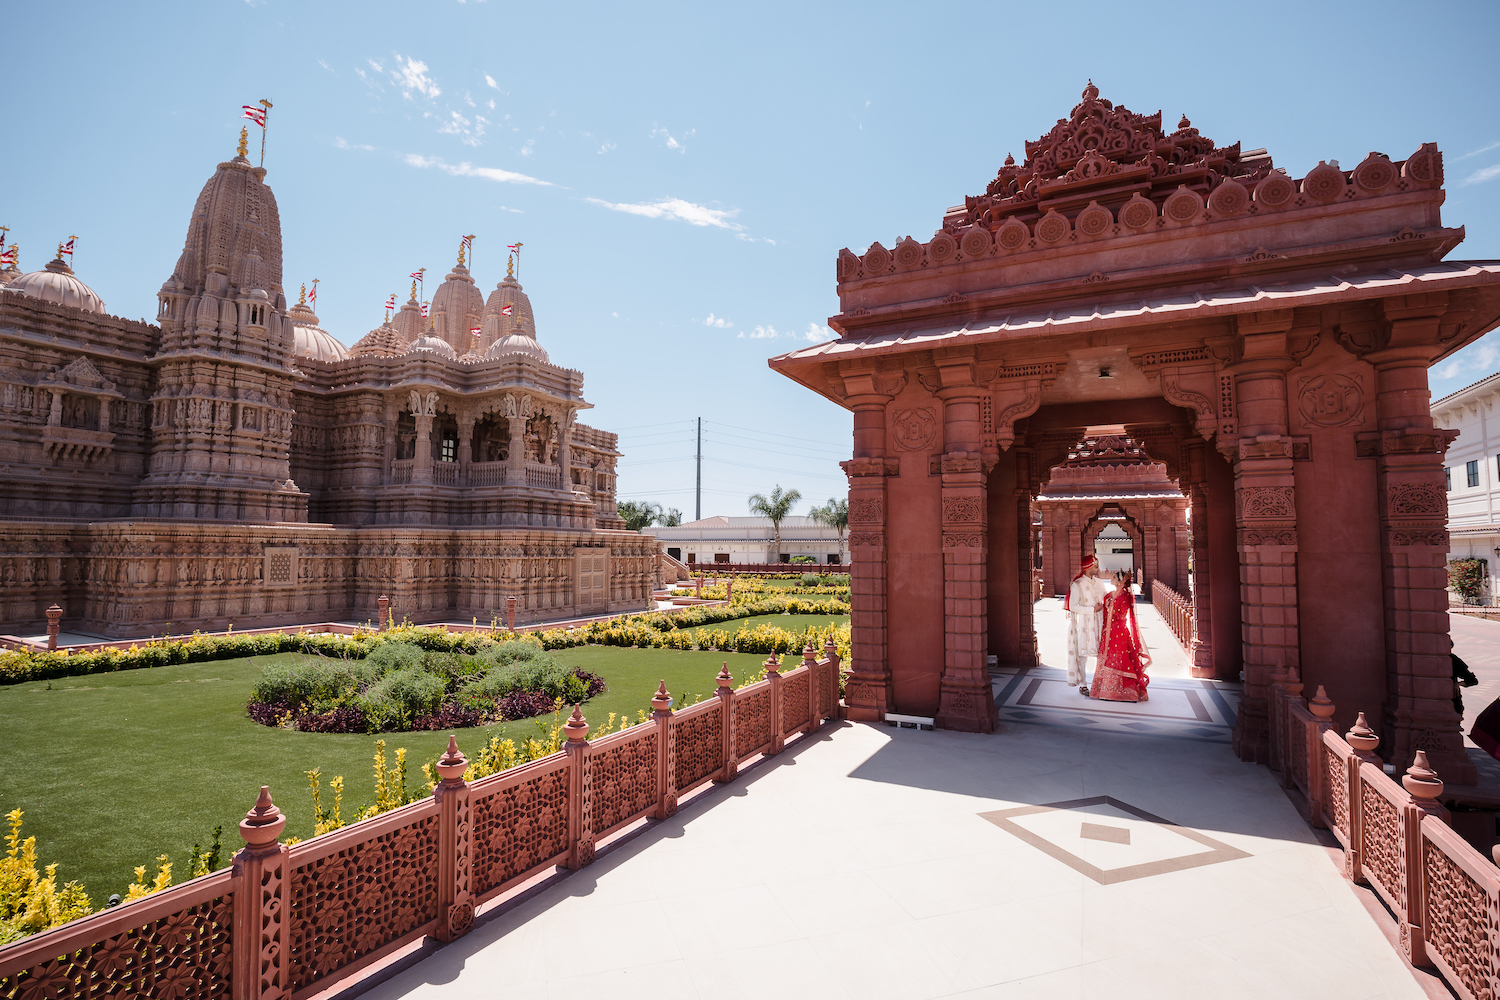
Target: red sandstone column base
866	699
1444	747
967	710
1252	735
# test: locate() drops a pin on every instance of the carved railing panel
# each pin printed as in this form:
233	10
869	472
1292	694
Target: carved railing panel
752	720
1336	777
700	744
1380	838
1461	906
445	473
795	688
520	822
624	778
360	889
1175	610
168	947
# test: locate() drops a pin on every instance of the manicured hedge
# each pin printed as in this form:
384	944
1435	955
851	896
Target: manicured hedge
649	629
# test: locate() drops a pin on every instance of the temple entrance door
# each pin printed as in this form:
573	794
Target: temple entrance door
1115	551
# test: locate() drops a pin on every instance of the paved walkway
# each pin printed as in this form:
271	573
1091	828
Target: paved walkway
871	862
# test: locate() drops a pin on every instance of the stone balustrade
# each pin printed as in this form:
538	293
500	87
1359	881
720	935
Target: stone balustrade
1175	610
1396	838
293	920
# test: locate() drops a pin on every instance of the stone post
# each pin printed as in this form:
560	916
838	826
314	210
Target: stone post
421	463
666	753
1423	786
869	694
1291	729
1408	452
1363	741
515	459
510	612
831	654
1266	522
965	700
773	674
384	604
698	586
54	625
1322	709
725	693
814	690
261	906
580	791
729	590
455	846
465	445
1275	718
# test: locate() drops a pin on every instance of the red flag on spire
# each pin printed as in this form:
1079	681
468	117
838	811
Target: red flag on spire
424	310
417	274
255	114
390	303
507	309
66	248
312	296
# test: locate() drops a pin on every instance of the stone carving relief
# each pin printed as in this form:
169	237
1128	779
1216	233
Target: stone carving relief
1331	400
1030	393
1416	499
915	427
866	538
866	510
969	540
1267	502
960	510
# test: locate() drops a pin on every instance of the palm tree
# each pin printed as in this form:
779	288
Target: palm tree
775	507
835	514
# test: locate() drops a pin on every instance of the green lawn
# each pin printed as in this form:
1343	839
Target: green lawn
792	623
115	769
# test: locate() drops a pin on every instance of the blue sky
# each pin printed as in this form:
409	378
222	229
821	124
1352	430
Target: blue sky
682	176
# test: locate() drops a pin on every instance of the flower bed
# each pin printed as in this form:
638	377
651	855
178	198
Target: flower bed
401	686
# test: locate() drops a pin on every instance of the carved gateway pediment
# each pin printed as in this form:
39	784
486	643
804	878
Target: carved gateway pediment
81	374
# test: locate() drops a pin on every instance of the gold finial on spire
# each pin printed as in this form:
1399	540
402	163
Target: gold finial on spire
244	149
302	299
461	253
414	289
510	266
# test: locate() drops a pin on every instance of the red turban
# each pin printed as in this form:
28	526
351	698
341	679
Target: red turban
1089	562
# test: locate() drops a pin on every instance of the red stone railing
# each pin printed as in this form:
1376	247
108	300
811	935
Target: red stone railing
288	921
1175	610
1396	838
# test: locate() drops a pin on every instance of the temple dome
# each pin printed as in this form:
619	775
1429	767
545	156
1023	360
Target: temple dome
496	323
431	342
57	283
517	342
309	340
408	321
235	231
382	342
457	307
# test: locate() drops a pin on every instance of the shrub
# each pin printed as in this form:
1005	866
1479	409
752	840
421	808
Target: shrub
524	705
400	697
1467	578
810	580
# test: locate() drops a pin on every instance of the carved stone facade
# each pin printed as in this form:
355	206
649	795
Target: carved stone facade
1265	338
233	463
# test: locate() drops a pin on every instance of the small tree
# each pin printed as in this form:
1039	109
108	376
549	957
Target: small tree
638	515
671	519
1466	577
835	514
776	507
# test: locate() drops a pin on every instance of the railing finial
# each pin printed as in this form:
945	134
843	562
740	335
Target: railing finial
264	822
577	727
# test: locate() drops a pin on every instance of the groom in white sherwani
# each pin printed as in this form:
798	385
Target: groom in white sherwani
1083	604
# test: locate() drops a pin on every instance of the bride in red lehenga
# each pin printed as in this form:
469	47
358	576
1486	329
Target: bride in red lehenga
1123	659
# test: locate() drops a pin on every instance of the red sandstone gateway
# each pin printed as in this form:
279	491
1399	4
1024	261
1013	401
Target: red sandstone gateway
1266	338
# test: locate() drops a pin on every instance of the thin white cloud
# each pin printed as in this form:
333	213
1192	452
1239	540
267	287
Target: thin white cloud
1482	149
375	66
411	75
718	322
675	208
490	80
468	131
526	150
755	239
1481	175
1475	361
340	142
813	334
491	103
671	143
467	169
325	65
606	147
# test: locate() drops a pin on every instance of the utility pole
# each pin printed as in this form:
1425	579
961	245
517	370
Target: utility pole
698	506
